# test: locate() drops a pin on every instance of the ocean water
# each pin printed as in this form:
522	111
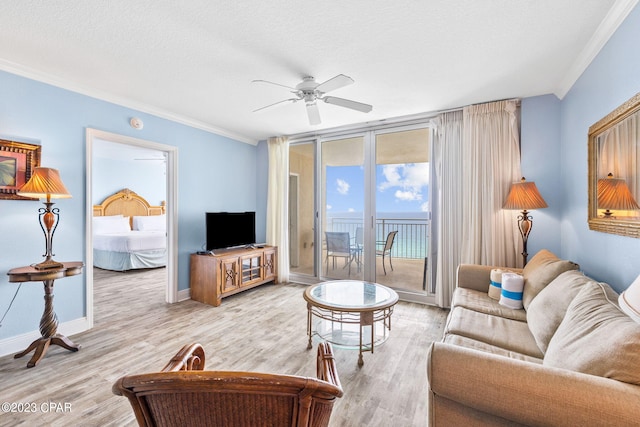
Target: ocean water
412	240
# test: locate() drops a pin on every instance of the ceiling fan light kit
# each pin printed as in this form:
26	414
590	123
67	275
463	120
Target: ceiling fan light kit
309	91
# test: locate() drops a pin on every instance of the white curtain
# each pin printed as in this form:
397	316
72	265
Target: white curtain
618	153
491	162
447	212
278	203
476	157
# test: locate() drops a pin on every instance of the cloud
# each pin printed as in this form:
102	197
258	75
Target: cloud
329	207
425	207
408	195
409	178
351	210
342	186
392	176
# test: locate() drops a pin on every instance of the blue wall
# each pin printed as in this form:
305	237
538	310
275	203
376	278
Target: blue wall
611	79
214	173
147	178
262	189
540	153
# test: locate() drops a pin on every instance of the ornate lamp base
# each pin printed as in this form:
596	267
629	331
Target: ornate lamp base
48	264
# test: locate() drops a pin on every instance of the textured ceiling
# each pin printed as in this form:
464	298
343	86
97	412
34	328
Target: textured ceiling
193	61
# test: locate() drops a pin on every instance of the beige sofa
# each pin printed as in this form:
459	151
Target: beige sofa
571	357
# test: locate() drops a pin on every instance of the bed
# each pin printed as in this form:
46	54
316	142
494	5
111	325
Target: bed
129	233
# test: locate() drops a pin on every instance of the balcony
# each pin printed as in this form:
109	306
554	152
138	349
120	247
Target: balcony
408	253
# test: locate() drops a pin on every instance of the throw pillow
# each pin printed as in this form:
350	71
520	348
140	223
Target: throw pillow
511	295
596	337
495	284
547	310
540	271
150	223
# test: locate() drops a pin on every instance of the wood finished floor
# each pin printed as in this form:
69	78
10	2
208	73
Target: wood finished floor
262	329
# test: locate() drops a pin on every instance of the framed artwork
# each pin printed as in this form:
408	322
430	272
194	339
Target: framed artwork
17	160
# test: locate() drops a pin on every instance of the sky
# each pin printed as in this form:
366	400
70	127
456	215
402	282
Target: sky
399	188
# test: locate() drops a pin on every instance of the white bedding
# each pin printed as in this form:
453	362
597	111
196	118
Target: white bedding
117	247
130	241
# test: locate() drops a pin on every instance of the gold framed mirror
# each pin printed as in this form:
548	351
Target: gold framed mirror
614	171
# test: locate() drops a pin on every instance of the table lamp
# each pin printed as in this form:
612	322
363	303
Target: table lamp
524	196
613	193
45	183
629	300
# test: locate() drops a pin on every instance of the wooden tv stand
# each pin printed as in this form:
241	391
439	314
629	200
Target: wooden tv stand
229	271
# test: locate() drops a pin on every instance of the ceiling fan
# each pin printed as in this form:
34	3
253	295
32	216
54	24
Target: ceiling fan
310	92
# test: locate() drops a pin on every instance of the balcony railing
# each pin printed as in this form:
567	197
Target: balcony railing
412	240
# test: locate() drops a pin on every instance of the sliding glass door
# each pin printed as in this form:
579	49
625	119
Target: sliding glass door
342	208
302	210
359	209
402	209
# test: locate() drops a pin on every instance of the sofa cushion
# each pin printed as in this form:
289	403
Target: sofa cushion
596	337
512	335
480	301
488	348
540	271
547	310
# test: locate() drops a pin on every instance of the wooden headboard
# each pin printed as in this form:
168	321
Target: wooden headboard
127	203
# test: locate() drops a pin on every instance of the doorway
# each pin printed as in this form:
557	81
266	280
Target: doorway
93	139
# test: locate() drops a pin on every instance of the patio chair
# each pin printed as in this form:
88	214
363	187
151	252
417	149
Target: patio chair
184	394
357	247
338	246
386	250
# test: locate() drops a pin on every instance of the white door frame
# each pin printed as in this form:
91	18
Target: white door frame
171	210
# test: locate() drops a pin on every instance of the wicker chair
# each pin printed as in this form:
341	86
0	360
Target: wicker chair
184	394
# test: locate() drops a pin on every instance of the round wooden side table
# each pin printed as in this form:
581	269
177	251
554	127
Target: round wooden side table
49	320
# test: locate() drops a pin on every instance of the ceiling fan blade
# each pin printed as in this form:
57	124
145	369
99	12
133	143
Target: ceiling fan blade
272	83
313	113
334	83
276	103
359	106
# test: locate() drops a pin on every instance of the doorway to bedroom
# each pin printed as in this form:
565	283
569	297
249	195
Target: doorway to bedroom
122	170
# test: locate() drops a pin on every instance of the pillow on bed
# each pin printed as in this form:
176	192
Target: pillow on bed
110	224
150	223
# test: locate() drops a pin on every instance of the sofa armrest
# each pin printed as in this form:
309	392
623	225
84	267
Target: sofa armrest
527	393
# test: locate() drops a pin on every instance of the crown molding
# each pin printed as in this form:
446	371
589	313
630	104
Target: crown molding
616	15
32	74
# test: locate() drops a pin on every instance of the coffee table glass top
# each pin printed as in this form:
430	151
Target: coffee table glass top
352	295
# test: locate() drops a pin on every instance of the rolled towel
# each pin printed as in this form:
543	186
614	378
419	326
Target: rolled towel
495	285
512	287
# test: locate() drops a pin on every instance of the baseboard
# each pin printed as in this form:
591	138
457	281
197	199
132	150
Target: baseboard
20	342
184	294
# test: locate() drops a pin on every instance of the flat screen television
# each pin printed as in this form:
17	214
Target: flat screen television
230	229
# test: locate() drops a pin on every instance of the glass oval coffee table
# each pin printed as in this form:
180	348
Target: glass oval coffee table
350	314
